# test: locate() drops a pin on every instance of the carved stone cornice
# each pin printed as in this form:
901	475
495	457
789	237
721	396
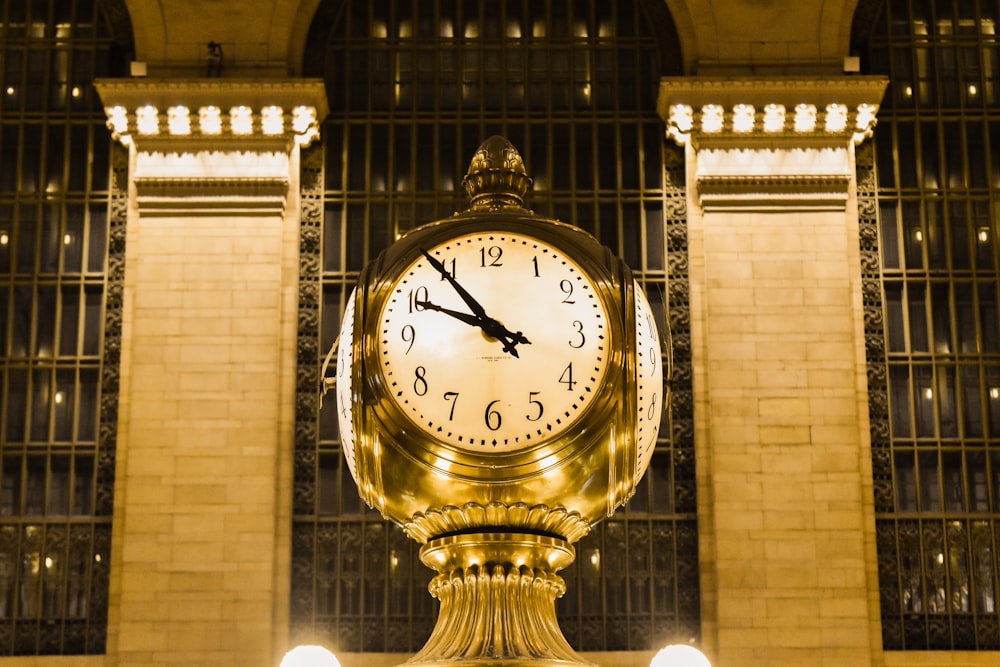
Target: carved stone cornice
776	142
212	144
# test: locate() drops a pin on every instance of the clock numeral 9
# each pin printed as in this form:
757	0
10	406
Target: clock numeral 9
409	335
419	383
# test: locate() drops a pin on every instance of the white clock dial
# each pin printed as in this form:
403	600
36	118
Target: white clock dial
345	387
649	381
493	342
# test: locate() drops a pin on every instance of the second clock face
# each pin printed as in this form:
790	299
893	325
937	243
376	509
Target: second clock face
493	342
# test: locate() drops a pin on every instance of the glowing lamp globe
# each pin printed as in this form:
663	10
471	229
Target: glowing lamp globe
309	656
680	655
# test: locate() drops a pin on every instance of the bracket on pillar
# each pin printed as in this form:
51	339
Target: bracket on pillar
771	143
212	145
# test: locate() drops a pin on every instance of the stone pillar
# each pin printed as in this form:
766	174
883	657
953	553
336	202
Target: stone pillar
201	534
785	507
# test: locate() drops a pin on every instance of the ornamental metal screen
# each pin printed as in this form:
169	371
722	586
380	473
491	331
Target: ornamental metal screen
414	87
932	277
62	206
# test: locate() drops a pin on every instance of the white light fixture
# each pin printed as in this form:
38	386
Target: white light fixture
836	118
805	117
117	119
743	118
241	120
682	117
711	118
774	118
4	237
680	655
147	120
983	234
272	120
179	120
309	655
210	120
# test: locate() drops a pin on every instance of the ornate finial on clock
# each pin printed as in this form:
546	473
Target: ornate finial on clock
496	178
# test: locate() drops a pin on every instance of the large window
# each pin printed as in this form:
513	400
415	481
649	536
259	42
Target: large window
58	388
415	86
935	371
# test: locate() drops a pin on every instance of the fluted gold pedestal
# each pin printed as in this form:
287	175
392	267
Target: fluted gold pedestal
497	593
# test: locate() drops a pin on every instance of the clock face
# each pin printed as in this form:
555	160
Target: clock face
493	342
345	387
649	381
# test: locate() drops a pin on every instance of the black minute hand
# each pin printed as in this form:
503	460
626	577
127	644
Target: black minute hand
479	318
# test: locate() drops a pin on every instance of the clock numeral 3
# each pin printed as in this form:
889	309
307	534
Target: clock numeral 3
578	325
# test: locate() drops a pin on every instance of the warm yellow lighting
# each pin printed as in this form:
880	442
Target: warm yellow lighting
711	118
117	119
379	31
446	29
682	117
805	117
472	29
939	558
179	120
241	120
908	91
513	29
866	116
76	92
928	393
836	117
49	562
774	118
60	397
918	236
97	558
210	120
11	90
4	238
973	90
995	393
147	120
680	655
272	120
67	239
983	234
595	558
743	118
309	656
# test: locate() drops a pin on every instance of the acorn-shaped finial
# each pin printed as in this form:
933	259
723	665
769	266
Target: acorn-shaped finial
496	178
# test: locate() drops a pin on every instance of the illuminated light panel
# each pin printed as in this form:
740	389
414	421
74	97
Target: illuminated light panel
272	120
836	118
117	119
743	118
805	117
179	120
711	118
241	120
774	118
210	120
682	117
147	120
4	238
866	116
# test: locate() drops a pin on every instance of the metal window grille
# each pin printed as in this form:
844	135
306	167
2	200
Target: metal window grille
933	274
58	355
415	86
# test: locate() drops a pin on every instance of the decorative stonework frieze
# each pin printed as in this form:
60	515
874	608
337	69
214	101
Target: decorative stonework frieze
771	143
213	144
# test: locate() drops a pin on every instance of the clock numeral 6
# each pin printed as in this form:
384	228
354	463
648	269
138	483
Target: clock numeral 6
493	418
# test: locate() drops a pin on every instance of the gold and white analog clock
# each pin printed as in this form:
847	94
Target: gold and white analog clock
493	342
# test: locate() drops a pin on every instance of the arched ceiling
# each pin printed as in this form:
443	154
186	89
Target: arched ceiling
718	37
